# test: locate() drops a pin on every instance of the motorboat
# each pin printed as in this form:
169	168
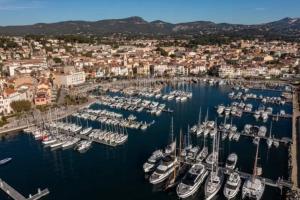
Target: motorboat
164	170
232	185
192	180
5	161
202	155
231	161
153	161
213	184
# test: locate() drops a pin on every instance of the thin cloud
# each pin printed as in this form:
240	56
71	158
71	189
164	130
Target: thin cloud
6	5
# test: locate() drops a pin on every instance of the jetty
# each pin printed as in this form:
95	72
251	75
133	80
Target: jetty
14	194
294	147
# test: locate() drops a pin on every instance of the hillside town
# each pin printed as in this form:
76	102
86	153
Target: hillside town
36	70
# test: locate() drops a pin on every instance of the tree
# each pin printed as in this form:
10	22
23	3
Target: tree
57	60
21	106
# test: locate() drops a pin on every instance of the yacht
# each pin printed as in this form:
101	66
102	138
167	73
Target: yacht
153	161
57	144
231	161
49	141
253	187
163	170
192	181
232	185
262	131
247	128
211	159
202	155
220	109
213	183
84	146
70	143
86	131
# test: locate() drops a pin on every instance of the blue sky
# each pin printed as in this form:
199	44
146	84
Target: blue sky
17	12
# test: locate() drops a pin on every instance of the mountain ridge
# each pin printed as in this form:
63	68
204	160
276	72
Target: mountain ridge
137	25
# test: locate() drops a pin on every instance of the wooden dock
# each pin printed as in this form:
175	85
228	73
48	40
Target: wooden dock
14	194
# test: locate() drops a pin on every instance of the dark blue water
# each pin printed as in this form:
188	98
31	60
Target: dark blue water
116	172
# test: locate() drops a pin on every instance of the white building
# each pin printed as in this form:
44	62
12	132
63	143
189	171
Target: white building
5	101
70	79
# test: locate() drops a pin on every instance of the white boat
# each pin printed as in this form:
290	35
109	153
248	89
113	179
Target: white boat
253	187
5	161
213	184
164	170
153	161
86	131
211	159
58	144
70	143
192	181
231	161
183	99
202	155
220	109
262	131
84	146
232	185
49	141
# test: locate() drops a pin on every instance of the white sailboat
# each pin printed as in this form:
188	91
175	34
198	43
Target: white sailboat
254	187
215	180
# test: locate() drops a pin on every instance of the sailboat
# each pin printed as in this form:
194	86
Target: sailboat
199	129
172	146
254	187
203	153
215	180
270	140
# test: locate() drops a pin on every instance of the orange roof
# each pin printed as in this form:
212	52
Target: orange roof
9	91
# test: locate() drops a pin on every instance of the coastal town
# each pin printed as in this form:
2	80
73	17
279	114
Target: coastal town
71	91
40	70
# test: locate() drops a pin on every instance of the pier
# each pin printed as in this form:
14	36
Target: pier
84	137
14	194
294	147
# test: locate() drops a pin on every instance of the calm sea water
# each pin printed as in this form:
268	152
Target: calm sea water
116	172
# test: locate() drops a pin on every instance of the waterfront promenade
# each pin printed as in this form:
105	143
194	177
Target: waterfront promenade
295	138
55	114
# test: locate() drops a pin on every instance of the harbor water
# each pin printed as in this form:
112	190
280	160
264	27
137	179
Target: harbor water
114	173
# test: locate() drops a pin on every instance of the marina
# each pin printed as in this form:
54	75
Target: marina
127	160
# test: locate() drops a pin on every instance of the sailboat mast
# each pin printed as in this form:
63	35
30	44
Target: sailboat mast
172	131
199	121
270	130
255	162
188	137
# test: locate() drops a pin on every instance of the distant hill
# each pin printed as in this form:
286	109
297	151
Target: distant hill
137	25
